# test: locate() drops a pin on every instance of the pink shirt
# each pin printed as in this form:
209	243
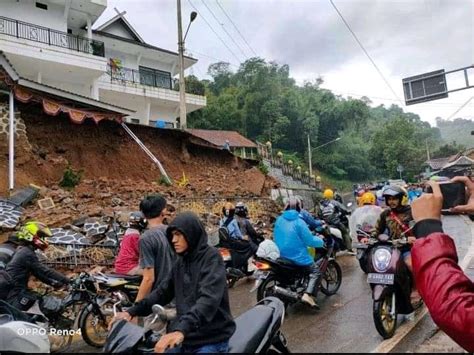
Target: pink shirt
127	257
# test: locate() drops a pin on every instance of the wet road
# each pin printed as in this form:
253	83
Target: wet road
344	323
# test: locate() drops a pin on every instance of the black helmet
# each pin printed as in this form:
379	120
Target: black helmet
241	210
394	191
137	220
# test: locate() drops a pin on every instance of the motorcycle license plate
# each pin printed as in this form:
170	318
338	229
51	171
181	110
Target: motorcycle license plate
259	277
386	279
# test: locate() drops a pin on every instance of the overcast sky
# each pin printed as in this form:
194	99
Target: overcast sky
404	38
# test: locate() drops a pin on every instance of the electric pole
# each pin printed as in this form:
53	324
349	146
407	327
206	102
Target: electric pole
427	150
182	92
309	158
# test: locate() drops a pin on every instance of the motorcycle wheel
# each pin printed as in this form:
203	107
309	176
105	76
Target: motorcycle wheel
94	323
385	323
59	343
265	288
332	278
363	266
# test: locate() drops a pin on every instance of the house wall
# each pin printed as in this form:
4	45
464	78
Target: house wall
117	29
26	11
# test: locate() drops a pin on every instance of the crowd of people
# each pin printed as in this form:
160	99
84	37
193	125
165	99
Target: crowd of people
176	262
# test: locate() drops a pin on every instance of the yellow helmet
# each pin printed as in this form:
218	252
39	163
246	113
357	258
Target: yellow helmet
35	233
367	198
328	194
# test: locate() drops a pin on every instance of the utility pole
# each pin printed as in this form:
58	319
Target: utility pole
427	150
182	92
309	158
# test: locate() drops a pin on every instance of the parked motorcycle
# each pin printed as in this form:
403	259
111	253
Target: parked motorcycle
108	289
257	331
391	283
283	279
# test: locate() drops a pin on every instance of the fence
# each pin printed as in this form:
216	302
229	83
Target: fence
72	255
288	168
24	30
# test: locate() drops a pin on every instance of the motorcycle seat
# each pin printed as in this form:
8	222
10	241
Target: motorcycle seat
131	278
250	329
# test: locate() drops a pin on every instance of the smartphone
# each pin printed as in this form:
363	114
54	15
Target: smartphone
454	194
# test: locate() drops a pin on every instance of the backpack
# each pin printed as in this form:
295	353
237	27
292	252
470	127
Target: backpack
224	234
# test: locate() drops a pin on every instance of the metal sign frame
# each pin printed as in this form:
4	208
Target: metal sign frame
423	78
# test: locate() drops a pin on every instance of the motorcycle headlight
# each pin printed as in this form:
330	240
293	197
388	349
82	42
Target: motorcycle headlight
381	259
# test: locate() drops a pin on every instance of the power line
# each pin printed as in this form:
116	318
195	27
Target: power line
228	34
366	53
211	57
208	24
235	26
459	109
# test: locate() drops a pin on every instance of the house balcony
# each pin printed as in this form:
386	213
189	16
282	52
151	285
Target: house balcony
146	87
49	56
35	33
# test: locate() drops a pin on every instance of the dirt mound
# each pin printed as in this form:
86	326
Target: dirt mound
107	151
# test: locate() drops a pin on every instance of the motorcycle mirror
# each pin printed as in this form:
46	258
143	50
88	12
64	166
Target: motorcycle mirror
159	311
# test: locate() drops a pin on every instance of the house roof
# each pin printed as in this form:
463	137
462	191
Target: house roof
31	84
219	138
438	163
461	161
120	18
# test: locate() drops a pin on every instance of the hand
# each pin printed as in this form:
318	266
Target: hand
469	207
169	341
411	240
428	206
118	316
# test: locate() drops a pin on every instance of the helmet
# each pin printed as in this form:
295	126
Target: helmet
293	203
241	210
228	210
35	233
328	194
137	220
395	191
367	199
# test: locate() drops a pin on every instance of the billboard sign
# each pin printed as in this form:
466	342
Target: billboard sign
425	87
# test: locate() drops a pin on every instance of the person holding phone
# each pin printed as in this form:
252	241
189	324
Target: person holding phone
446	290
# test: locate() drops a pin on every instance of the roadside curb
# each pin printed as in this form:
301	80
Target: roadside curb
388	345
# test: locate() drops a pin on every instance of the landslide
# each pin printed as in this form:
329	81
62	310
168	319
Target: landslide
106	151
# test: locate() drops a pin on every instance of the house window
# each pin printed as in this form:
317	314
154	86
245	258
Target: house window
135	120
41	6
155	77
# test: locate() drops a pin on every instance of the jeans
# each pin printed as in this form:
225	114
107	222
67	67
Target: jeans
314	276
222	347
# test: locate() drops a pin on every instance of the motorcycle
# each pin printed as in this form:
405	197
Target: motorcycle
236	255
391	283
12	335
257	331
283	279
96	314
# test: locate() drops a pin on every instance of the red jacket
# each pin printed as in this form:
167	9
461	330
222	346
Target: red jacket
446	290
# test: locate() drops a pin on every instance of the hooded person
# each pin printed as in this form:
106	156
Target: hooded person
197	281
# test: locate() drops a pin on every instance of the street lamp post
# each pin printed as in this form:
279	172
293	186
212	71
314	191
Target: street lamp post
182	89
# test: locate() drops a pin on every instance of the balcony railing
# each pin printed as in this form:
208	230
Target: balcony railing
156	78
51	37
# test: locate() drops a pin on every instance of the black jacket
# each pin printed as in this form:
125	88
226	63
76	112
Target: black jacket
25	263
198	281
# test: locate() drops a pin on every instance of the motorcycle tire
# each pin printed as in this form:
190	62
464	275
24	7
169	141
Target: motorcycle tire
97	318
381	312
262	289
333	276
363	265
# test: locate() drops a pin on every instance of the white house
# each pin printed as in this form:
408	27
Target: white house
52	42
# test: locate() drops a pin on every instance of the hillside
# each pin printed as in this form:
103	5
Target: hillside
458	130
105	151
